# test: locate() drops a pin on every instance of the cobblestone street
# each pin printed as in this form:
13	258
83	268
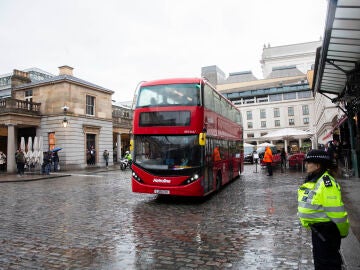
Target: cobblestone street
96	222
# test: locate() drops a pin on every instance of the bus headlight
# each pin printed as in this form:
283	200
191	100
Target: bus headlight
191	179
136	177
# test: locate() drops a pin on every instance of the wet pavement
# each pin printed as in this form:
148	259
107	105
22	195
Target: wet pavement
92	220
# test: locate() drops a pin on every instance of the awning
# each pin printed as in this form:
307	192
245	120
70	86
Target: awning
340	51
338	124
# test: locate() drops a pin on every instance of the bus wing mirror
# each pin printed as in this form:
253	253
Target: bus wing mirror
131	145
202	138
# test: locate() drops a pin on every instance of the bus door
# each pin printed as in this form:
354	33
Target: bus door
208	177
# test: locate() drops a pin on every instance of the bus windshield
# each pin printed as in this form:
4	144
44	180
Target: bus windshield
167	152
169	95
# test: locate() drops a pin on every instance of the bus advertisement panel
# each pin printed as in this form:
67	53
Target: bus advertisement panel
187	138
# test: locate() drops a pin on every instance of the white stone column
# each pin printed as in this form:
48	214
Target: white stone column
118	148
11	148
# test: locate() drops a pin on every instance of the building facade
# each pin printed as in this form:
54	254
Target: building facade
283	99
39	108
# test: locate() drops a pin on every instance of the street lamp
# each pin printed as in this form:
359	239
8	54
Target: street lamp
65	122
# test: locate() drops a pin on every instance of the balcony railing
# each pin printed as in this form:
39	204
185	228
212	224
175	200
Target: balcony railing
11	105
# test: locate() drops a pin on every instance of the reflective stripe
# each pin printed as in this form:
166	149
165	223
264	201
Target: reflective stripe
311	206
311	195
339	220
313	215
335	209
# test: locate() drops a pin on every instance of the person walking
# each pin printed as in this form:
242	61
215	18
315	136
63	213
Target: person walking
321	209
20	162
283	158
216	153
47	162
2	162
268	158
55	161
106	157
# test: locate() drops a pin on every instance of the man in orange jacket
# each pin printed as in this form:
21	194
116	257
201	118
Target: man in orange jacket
268	160
216	154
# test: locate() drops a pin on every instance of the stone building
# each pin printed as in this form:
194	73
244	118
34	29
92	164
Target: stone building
40	108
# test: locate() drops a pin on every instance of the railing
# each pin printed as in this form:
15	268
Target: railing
11	105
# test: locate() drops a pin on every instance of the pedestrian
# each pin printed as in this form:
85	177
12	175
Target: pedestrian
216	153
283	158
268	158
106	157
321	209
20	162
47	162
92	155
55	161
2	162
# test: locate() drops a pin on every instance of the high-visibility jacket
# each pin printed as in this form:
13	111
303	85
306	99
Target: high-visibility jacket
216	154
268	156
320	201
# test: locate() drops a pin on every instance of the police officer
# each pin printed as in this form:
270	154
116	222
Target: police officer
321	209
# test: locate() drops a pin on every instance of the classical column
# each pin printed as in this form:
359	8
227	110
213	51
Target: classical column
11	148
118	147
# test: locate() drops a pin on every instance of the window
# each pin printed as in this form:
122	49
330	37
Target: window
290	111
262	113
52	140
263	133
276	97
276	112
29	98
249	100
277	123
90	105
291	122
306	120
29	95
249	115
263	124
305	109
250	125
304	94
250	135
262	99
288	96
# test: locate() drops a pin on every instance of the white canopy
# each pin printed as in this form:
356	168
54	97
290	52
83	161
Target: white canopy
265	144
249	145
287	133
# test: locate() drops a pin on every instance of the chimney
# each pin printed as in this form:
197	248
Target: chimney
66	70
19	77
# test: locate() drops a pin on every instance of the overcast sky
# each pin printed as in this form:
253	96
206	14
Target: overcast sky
117	43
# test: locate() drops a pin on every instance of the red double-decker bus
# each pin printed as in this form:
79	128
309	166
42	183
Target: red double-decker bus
188	138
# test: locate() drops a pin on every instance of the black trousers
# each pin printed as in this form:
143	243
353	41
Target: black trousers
326	253
269	168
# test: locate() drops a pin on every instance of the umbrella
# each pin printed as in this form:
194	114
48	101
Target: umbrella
56	149
30	145
36	150
22	143
36	144
41	154
29	153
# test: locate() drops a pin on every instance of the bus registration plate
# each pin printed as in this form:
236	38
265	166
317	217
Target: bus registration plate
161	191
